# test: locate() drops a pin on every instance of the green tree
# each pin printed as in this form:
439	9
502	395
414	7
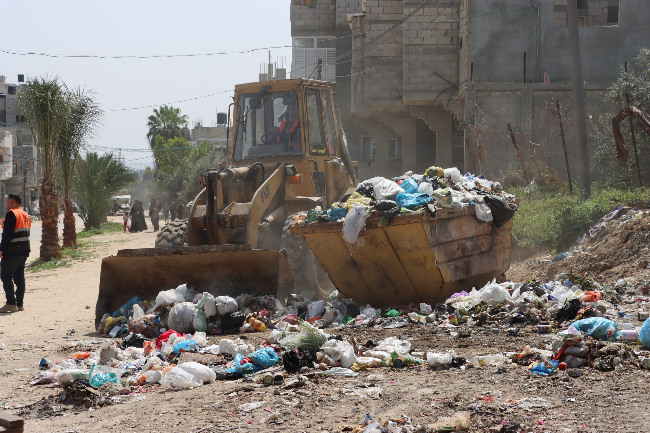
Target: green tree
84	116
175	161
166	122
44	104
97	179
211	160
636	84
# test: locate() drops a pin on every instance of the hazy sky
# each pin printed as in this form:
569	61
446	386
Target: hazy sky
145	28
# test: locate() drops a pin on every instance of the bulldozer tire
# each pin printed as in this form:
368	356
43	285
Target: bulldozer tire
172	235
308	274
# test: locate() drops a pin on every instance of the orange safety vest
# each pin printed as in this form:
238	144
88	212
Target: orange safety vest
20	241
294	126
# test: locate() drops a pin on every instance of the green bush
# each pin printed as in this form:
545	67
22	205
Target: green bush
555	219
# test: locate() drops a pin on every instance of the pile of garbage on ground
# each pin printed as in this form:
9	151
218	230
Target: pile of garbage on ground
171	341
613	248
436	188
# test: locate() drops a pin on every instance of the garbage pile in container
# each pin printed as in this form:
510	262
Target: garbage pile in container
436	188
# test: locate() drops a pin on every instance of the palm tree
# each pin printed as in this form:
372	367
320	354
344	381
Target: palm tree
167	122
84	116
96	180
43	101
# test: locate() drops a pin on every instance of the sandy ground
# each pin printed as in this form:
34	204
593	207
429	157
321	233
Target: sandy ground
60	308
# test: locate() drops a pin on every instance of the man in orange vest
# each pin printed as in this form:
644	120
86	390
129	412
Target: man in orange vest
14	250
289	130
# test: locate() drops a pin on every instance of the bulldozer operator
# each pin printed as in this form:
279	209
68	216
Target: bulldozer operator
288	132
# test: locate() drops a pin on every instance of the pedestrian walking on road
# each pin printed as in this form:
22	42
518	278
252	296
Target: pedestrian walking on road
138	222
172	211
126	219
14	250
154	213
165	211
181	210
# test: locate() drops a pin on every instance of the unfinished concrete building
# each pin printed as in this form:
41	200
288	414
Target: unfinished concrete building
436	82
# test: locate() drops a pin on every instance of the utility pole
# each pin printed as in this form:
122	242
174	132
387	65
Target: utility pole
579	101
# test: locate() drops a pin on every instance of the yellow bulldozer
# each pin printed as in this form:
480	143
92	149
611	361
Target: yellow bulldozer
288	154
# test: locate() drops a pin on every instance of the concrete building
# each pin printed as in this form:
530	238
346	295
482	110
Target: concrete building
436	82
25	168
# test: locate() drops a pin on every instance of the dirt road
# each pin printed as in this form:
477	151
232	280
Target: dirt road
60	308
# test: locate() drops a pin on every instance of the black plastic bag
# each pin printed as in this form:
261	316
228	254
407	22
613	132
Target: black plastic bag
133	340
383	205
502	212
353	310
569	310
367	190
233	320
389	214
294	360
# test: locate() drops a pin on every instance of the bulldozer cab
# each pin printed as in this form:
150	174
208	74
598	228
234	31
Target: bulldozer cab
292	121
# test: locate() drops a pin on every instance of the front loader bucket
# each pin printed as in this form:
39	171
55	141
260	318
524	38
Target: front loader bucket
221	270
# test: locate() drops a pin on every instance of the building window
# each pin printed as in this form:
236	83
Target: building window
306	54
394	148
591	13
20	118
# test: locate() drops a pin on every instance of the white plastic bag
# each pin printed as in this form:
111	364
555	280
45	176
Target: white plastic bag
354	222
439	360
394	344
181	317
200	339
225	305
425	188
178	378
186	294
315	309
368	311
347	354
384	357
153	376
137	312
454	174
483	212
425	309
493	293
386	189
208	305
199	371
168	297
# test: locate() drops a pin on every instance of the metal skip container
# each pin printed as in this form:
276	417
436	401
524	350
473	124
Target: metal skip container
416	258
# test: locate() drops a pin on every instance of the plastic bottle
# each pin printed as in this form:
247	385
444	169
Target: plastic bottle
257	324
485	360
622	326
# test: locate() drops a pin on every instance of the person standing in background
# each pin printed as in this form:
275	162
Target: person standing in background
154	213
172	210
181	210
165	211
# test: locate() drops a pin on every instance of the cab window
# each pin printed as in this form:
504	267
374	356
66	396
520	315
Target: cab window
330	127
317	142
268	125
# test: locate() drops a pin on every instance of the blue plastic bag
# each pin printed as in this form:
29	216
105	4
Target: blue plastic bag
411	201
336	213
598	328
265	357
409	186
185	345
545	369
644	334
124	309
